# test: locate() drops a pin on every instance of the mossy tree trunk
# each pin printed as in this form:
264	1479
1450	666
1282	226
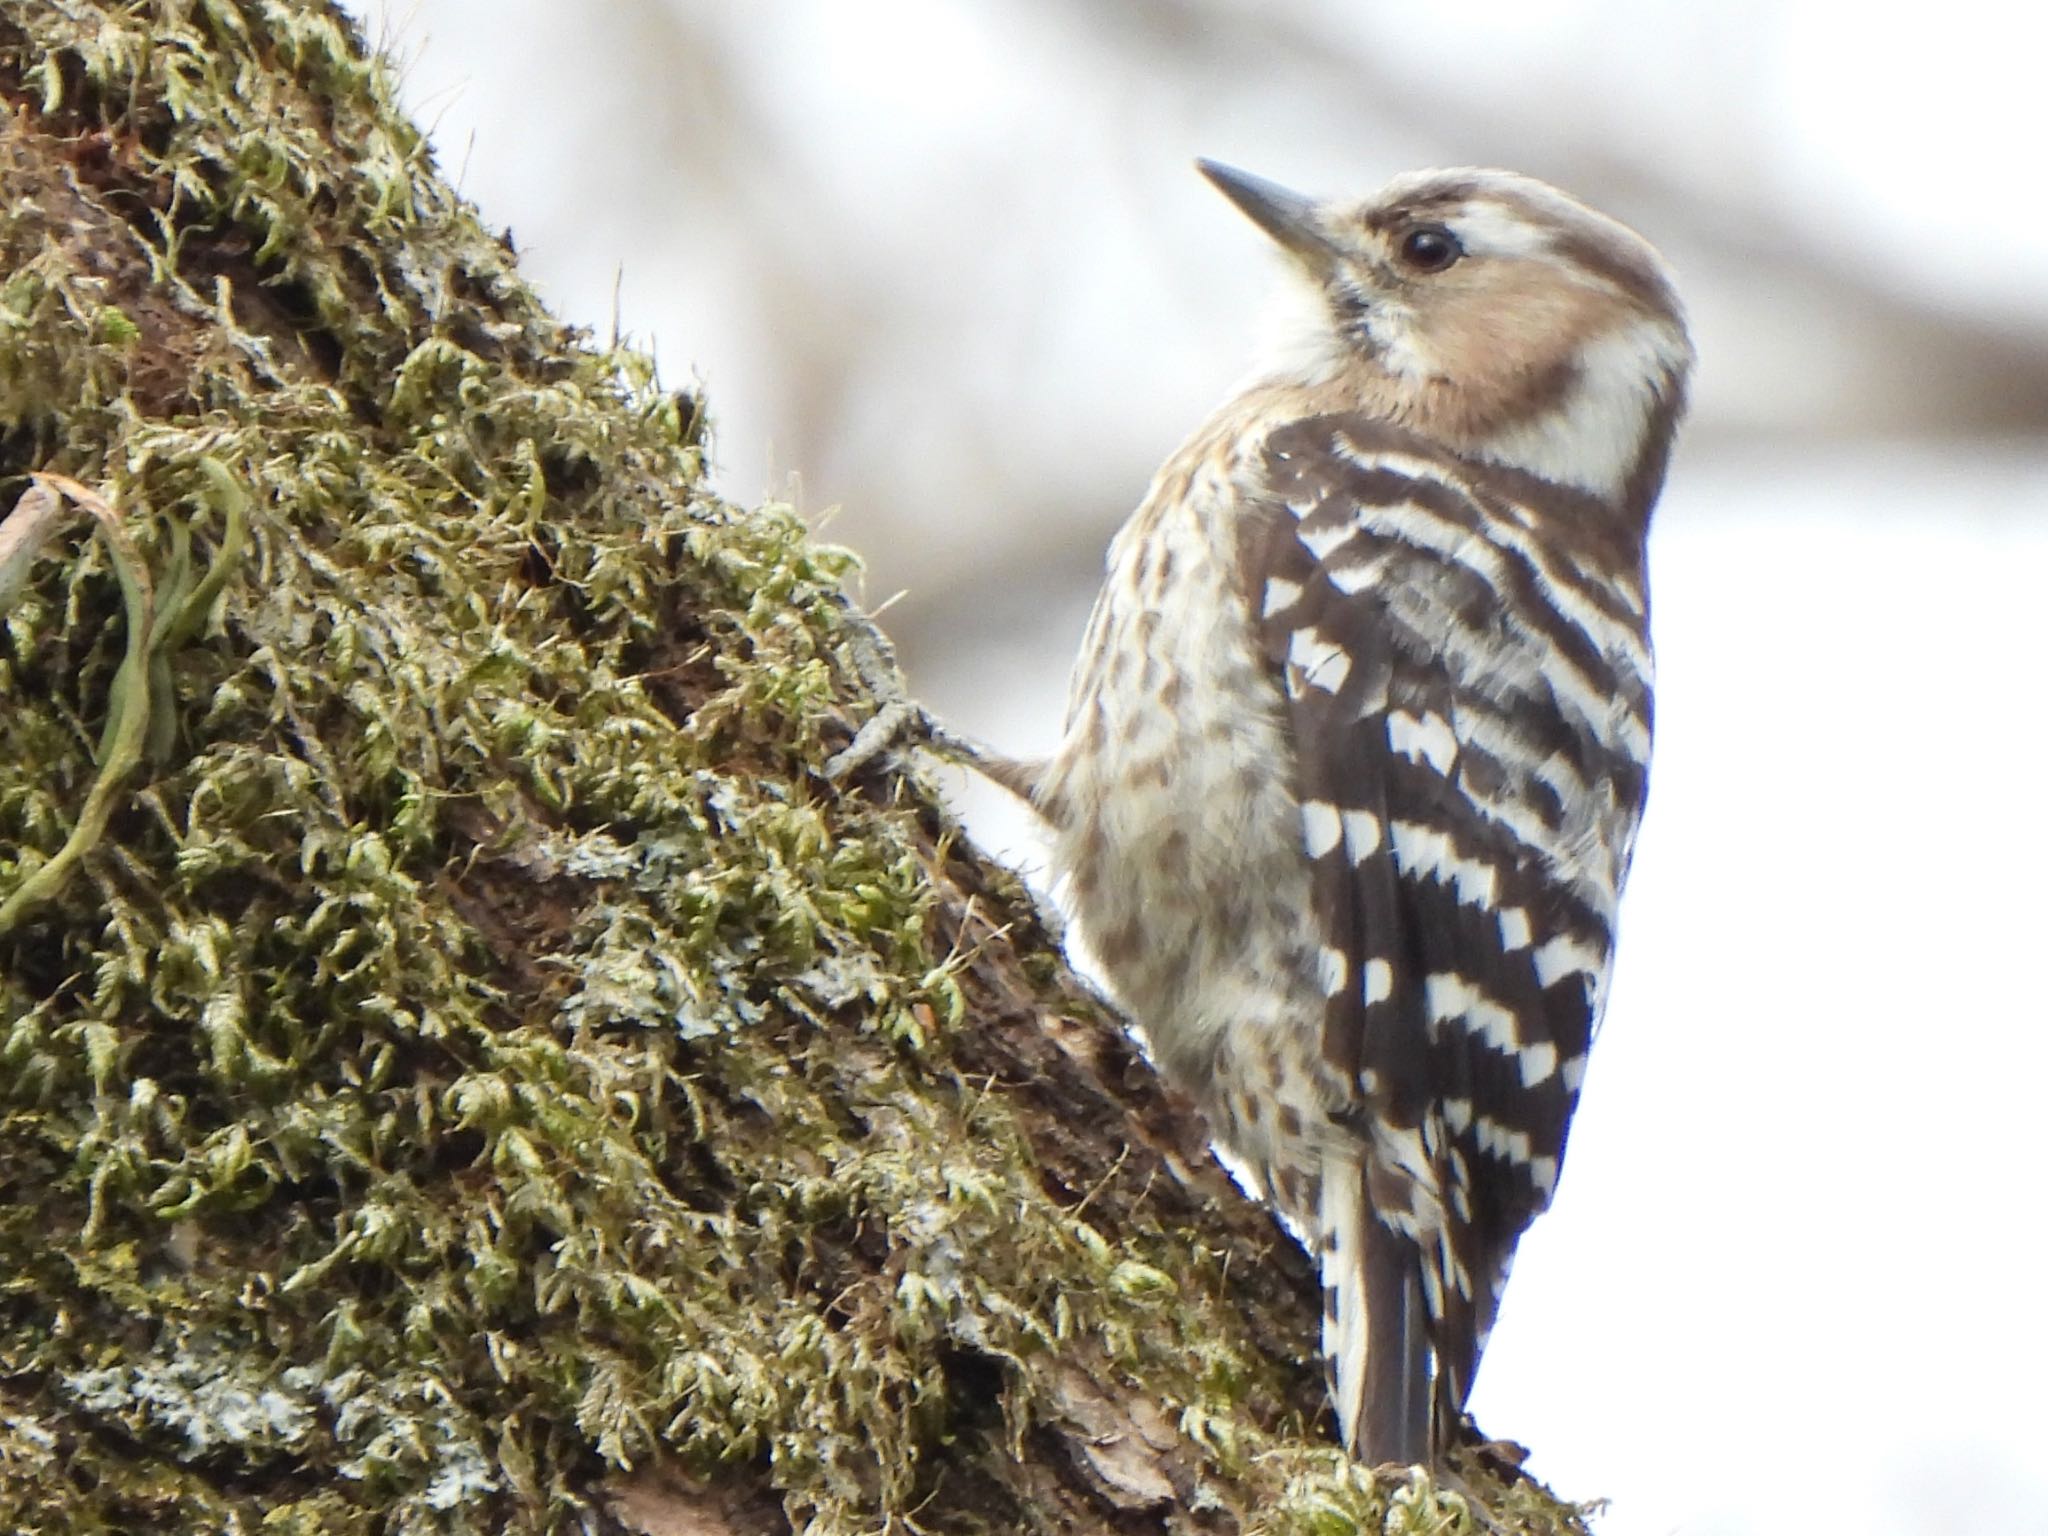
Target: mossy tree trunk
478	1074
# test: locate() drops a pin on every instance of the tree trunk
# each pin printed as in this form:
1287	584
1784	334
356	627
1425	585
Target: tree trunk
463	1066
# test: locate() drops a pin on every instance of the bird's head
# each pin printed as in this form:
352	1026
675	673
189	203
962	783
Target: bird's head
1490	313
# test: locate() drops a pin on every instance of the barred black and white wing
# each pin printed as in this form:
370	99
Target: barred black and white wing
1465	660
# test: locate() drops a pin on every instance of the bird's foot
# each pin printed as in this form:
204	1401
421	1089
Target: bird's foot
900	723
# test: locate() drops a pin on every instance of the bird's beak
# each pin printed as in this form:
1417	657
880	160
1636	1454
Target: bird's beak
1288	217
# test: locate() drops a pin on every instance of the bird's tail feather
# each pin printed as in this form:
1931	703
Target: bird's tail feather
1375	1327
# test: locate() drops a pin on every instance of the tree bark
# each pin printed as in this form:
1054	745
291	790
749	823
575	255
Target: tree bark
463	1065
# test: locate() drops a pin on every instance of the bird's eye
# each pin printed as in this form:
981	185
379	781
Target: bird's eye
1430	248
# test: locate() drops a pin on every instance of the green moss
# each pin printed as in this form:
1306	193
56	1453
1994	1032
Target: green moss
481	1052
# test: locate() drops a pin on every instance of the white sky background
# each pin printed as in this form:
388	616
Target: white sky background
948	263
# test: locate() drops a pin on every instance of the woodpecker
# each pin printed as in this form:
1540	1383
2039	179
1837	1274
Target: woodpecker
1358	741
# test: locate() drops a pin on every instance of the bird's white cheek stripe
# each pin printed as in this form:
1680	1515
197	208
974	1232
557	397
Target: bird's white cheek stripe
1595	436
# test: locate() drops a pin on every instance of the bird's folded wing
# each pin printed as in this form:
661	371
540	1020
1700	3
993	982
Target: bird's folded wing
1468	691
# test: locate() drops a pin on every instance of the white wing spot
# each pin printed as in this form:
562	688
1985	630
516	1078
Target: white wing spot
1423	739
1321	827
1501	1141
1322	665
1574	1073
1635	740
1453	997
1564	955
1354	577
1322	542
1514	929
1378	983
1280	593
1421	850
1334	969
1361	835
